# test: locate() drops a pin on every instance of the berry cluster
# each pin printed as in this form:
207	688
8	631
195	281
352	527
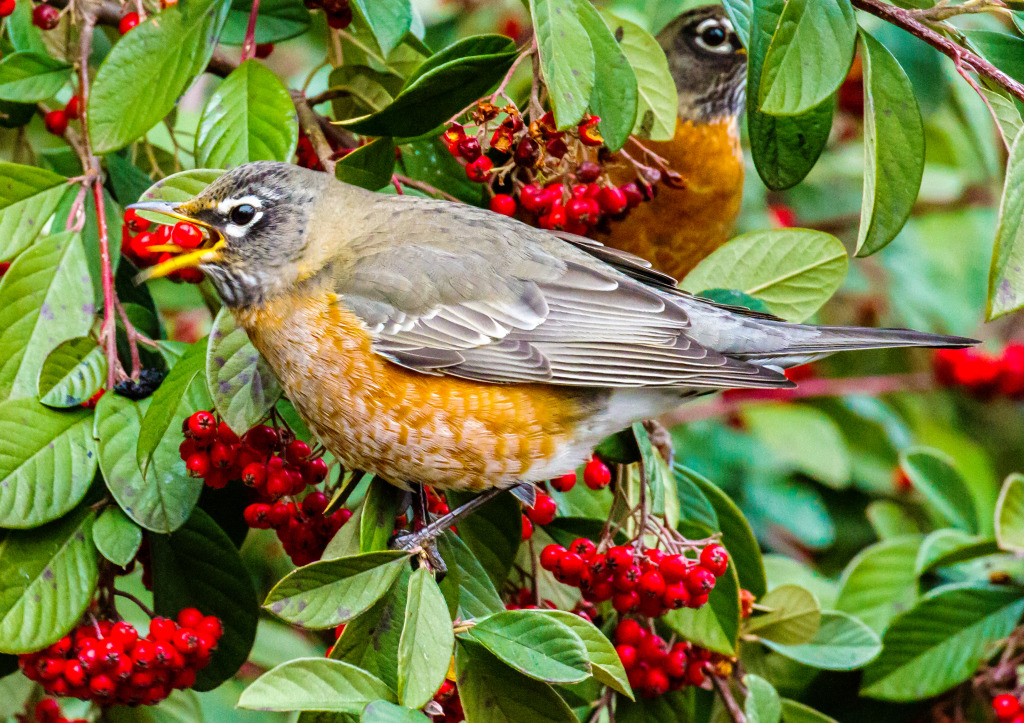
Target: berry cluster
338	12
596	476
654	668
47	711
305	154
556	177
1008	709
447	700
110	663
982	374
56	121
648	582
146	248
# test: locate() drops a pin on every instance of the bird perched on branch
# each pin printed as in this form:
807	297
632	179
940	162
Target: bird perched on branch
439	343
680	226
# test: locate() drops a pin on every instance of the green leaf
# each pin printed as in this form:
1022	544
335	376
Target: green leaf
161	500
74	371
277	20
47	461
784	149
762	704
947	546
477	596
389	20
425	650
794	271
493	533
379	511
250	117
434	93
566	58
1006	114
803	439
657	97
888	519
808	57
941	641
491	691
880	582
369	166
148	69
47	578
241	383
615	97
794	712
1006	277
534	644
794	617
326	594
739	12
842	642
45	298
198	566
714	626
1005	51
181	706
116	537
177	188
935	477
893	148
318	684
381	711
662	485
605	664
29	77
1010	514
28	196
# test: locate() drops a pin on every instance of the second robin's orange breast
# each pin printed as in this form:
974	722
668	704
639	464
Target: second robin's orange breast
679	227
408	426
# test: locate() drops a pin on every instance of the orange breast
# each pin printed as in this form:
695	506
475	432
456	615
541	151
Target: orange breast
679	227
406	426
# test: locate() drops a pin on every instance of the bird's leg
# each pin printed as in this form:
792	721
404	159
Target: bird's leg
419	506
661	439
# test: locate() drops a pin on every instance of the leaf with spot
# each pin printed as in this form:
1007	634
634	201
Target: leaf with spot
47	461
566	58
28	76
314	684
241	383
74	371
28	197
425	649
116	537
328	593
47	579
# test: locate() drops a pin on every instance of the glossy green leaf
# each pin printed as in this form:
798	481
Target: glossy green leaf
277	20
1007	116
794	271
657	98
381	711
47	461
947	546
316	684
714	626
808	57
177	188
762	704
47	579
566	58
161	500
328	593
793	619
935	477
380	508
1006	277
491	691
888	519
605	664
363	91
941	640
369	166
880	582
739	12
477	596
74	371
425	650
842	642
794	712
28	196
148	69
1010	514
241	383
116	537
31	76
803	439
389	20
614	98
534	644
45	298
893	148
250	117
493	533
784	148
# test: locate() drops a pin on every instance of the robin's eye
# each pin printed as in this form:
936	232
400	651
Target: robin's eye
242	214
713	35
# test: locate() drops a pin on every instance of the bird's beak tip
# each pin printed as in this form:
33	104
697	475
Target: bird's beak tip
155	206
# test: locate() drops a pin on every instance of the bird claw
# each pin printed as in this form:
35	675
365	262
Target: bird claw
423	545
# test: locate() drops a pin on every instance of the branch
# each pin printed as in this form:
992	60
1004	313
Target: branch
309	121
722	686
961	56
425	187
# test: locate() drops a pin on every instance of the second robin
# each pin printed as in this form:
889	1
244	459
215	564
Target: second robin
680	226
439	343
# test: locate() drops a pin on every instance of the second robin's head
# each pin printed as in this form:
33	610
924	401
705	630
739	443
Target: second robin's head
707	62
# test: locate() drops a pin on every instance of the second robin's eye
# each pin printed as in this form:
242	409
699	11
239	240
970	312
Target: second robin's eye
242	214
713	36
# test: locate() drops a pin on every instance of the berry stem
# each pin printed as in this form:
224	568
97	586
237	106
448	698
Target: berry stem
108	331
425	187
733	708
500	92
311	127
249	44
142	606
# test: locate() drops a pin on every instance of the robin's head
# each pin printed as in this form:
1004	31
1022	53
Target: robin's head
707	62
254	218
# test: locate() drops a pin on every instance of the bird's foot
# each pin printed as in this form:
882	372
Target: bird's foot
424	549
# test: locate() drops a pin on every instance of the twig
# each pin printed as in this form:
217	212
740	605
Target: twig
310	125
249	44
508	76
536	109
142	605
722	686
425	187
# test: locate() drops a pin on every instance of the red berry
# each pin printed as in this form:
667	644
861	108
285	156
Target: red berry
543	510
583	210
715	559
596	474
340	19
625	602
202	425
6	8
550	556
634	196
675	663
184	679
583	547
297	451
50	668
59	649
570	566
262	438
469	148
527	528
554	220
627	579
674	568
74	674
45	17
315	503
651	607
613	200
211	626
56	121
278	484
504	204
187	235
651	584
143	653
47	711
629	632
254	474
588	172
73	108
189	617
102	686
221	455
162	629
257	516
652	649
198	464
1005	705
127	22
263	50
279	514
656	682
676	596
315	470
186	641
695	673
531	197
480	169
697	601
564	483
527	152
700	580
627	655
620	557
603	590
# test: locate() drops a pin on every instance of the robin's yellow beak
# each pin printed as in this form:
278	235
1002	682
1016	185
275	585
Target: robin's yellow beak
213	243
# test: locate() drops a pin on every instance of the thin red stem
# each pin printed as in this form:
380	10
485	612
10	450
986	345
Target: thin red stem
249	44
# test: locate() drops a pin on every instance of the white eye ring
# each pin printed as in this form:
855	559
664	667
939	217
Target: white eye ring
724	47
229	204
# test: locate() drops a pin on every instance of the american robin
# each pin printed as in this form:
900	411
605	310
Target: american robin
680	226
439	343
